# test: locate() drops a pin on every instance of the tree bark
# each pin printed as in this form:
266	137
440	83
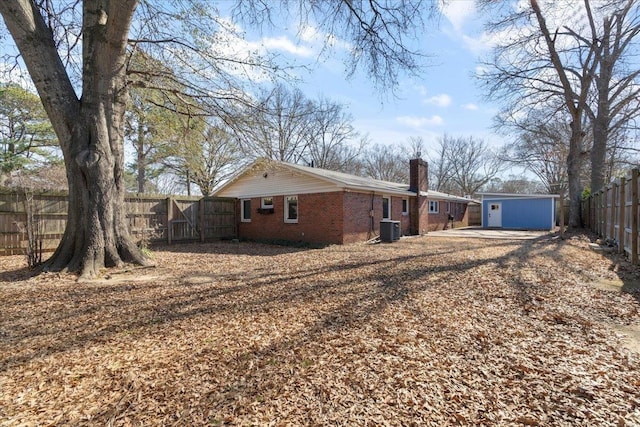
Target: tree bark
576	104
90	129
574	165
602	120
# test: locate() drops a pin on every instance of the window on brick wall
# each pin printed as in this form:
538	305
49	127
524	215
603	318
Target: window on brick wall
266	203
386	207
245	210
433	206
291	209
405	207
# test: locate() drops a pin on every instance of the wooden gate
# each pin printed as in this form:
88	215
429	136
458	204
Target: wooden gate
152	218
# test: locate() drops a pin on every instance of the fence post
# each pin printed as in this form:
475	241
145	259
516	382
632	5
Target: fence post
612	211
562	214
622	201
169	219
592	212
603	212
201	209
634	216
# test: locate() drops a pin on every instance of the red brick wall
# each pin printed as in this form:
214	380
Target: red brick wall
336	218
396	215
319	220
357	221
440	221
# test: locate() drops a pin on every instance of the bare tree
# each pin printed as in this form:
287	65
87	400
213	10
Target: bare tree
206	157
534	68
616	85
386	163
440	172
277	126
540	146
570	58
515	185
471	163
90	125
331	140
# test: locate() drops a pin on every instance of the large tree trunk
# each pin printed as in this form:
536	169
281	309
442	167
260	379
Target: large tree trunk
602	120
90	129
574	166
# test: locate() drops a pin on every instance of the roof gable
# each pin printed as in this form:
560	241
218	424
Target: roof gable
270	177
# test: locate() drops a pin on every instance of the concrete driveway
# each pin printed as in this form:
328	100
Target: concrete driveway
483	233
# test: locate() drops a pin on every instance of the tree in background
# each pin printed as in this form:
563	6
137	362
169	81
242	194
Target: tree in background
276	127
567	60
440	173
386	163
617	92
540	146
514	184
463	165
206	156
27	140
90	125
149	124
331	141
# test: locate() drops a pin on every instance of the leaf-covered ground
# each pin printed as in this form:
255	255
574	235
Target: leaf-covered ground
425	331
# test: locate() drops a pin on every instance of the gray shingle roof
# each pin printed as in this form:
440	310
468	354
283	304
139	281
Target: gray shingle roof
349	181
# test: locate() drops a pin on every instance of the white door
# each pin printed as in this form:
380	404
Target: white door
494	214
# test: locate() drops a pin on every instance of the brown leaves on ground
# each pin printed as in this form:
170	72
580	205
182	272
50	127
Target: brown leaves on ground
425	331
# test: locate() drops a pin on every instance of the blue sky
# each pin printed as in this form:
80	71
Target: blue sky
444	99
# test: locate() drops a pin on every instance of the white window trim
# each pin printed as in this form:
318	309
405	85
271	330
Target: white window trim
263	206
286	210
389	206
405	202
436	204
242	218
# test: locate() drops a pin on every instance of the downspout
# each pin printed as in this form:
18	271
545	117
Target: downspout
371	222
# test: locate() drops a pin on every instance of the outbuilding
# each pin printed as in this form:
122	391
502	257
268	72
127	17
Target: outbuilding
519	211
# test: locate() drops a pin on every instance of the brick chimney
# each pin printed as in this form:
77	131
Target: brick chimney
418	182
418	175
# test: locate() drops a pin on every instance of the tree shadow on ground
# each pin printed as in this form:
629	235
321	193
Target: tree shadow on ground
302	309
56	320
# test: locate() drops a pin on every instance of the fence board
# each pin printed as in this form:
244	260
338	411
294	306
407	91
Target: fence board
613	213
151	219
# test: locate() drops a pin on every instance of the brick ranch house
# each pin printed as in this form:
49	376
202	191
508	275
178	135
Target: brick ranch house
285	201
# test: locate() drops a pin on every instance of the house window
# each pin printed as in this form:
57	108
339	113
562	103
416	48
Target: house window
433	206
405	207
245	210
448	207
386	207
291	209
266	203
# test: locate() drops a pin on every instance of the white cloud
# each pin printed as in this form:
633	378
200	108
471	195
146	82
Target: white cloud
284	44
319	39
422	91
420	122
442	100
470	106
458	12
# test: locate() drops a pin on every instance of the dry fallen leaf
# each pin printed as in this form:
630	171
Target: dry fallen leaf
426	331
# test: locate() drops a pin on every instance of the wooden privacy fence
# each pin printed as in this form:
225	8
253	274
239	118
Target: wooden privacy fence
151	218
612	213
